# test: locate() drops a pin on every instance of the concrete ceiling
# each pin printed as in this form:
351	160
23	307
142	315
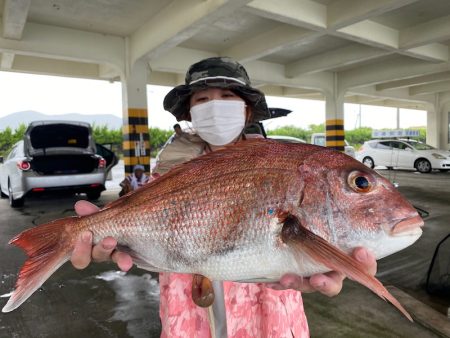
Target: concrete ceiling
383	52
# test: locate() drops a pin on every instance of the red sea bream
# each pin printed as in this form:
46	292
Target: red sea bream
250	212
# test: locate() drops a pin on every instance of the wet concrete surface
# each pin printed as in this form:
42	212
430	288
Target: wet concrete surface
102	302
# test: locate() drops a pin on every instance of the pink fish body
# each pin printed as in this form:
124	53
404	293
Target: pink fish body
250	212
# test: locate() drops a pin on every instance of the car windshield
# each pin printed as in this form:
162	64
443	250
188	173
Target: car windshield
420	145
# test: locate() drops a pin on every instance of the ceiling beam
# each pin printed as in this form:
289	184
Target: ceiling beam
46	66
418	80
434	52
436	87
303	13
15	14
336	58
67	44
437	30
390	70
7	60
269	43
371	33
175	23
346	12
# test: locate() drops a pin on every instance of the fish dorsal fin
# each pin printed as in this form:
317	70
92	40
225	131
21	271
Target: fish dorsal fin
302	240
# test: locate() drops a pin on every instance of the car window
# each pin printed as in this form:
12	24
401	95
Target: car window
12	154
384	145
59	135
400	145
420	145
16	150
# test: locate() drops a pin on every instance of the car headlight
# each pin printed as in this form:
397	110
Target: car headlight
438	156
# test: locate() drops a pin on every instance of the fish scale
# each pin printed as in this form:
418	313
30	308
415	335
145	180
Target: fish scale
253	211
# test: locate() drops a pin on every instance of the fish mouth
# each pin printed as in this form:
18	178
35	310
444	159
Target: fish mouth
407	227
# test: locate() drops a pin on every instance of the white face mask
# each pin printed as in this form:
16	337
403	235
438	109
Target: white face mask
219	122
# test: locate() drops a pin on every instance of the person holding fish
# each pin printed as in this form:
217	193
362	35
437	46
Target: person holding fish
218	99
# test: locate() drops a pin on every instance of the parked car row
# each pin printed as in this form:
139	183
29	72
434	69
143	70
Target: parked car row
55	155
408	154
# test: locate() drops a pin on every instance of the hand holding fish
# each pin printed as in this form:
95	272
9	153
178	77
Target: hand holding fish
329	283
84	253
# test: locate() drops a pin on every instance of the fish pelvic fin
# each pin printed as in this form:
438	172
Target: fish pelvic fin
48	246
300	239
202	291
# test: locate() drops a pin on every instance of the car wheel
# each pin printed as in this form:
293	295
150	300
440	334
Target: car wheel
14	203
423	166
93	195
2	195
368	161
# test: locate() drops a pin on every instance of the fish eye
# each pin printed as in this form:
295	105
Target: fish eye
359	182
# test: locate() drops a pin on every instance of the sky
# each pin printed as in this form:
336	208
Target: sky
58	95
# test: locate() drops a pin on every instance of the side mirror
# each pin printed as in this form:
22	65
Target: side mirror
1	159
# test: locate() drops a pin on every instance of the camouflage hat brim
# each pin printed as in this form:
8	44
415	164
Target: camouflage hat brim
177	100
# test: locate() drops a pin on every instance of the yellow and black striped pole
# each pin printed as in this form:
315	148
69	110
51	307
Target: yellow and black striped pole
335	134
136	140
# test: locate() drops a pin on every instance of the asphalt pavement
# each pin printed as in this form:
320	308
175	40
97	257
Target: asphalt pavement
102	302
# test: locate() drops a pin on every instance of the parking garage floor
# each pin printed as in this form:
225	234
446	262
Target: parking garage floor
101	302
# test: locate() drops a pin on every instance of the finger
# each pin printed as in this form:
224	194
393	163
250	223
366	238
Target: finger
367	258
292	281
103	250
81	255
84	208
123	260
329	284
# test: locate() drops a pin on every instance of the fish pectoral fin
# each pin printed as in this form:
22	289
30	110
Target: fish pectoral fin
140	261
302	240
202	291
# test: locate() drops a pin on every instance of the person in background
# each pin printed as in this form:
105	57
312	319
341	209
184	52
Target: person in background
132	182
218	99
178	131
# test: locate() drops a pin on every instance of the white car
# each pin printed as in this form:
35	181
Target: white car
408	154
53	155
319	139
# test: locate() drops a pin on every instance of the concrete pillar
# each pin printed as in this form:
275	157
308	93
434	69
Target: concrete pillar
136	140
334	115
445	129
433	124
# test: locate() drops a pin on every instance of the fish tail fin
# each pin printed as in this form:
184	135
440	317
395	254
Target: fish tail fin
48	246
304	241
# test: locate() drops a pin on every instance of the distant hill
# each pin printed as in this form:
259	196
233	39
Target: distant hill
15	119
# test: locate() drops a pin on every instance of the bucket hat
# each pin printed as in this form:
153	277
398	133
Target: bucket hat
216	72
138	167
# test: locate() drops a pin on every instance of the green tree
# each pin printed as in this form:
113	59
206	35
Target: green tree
8	138
104	135
158	138
357	137
291	131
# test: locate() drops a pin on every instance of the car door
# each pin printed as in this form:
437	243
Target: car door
406	155
8	169
14	174
109	156
383	154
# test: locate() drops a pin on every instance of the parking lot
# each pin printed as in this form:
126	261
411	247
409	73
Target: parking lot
101	302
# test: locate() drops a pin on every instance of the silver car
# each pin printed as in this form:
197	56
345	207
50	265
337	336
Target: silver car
53	155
